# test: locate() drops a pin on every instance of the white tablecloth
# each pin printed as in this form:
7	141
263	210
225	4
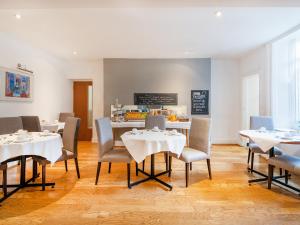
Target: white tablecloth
146	143
49	147
269	139
52	127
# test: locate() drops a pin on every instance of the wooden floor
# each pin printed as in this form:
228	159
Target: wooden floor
226	199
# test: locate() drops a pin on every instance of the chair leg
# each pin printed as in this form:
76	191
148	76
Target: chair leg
187	174
66	165
34	170
286	173
249	153
109	167
167	160
77	167
144	165
43	177
252	162
270	177
170	166
209	168
98	172
136	169
128	175
280	171
4	182
191	167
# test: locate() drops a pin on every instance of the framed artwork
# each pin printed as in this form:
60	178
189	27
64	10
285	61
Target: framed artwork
15	85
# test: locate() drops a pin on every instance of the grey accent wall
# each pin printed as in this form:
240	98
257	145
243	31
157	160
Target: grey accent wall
124	77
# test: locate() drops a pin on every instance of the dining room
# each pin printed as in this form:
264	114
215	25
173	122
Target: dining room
149	112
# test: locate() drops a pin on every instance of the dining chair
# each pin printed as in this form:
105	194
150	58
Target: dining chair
257	122
199	147
69	150
8	125
160	122
64	115
31	123
3	167
106	151
290	164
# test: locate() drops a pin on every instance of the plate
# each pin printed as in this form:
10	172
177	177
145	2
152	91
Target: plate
23	140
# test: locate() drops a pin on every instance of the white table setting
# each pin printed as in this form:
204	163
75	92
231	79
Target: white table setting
52	126
143	143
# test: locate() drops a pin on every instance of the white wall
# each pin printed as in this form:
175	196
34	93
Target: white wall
225	102
52	91
258	62
93	71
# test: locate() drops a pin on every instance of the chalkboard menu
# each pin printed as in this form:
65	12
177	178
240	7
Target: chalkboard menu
200	102
155	99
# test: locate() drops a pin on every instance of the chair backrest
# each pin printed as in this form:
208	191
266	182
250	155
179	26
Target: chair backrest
9	125
70	134
256	122
200	134
155	121
64	115
105	135
31	123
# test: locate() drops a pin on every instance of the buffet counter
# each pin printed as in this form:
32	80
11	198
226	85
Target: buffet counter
119	127
141	124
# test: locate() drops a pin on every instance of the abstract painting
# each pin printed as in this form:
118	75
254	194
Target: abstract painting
17	85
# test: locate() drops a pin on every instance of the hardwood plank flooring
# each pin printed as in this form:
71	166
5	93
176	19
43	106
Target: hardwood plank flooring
226	199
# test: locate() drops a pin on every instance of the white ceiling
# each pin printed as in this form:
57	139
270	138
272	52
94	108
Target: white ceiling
153	32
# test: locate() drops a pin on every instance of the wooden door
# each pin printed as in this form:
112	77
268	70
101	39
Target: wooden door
82	107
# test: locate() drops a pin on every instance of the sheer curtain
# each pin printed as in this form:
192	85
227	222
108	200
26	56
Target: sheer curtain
286	82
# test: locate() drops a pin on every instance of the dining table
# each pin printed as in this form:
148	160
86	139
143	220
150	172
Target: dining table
52	126
267	140
43	144
143	143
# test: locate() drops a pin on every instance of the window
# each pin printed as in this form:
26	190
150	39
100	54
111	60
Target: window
286	81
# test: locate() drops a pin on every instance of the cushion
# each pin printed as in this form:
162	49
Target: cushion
286	162
191	155
114	155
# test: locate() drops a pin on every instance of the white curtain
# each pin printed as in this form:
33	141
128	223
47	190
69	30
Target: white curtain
285	82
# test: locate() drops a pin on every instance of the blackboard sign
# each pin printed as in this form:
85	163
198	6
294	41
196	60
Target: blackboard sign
200	102
155	99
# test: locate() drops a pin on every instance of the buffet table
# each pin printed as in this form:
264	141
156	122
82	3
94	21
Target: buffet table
184	127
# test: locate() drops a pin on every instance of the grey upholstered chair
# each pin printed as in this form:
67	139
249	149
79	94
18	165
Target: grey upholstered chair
69	150
290	164
31	123
155	121
64	115
3	167
256	122
199	147
9	125
160	122
106	151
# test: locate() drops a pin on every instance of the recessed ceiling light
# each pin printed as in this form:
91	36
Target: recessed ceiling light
18	16
218	13
74	53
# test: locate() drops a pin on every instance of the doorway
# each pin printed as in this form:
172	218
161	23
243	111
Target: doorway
83	108
250	101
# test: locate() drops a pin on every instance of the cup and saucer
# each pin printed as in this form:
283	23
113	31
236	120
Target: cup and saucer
45	133
156	129
134	131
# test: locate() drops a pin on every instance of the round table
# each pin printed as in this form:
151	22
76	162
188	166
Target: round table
148	142
37	143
